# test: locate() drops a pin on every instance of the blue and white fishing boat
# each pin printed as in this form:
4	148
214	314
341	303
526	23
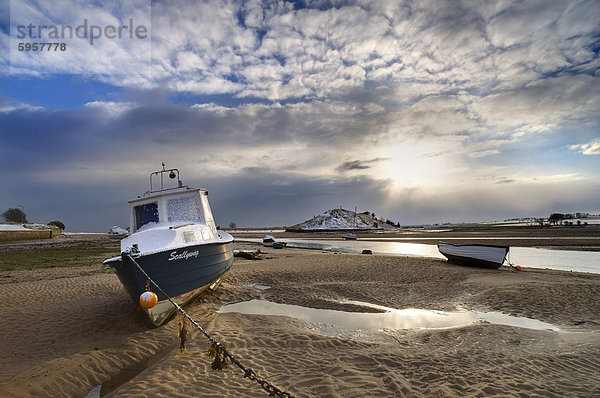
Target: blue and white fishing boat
475	255
175	241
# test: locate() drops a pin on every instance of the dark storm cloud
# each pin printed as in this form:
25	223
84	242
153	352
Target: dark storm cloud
358	164
353	165
104	150
271	195
504	180
98	129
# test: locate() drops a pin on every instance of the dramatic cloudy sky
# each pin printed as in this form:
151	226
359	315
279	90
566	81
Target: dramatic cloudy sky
419	111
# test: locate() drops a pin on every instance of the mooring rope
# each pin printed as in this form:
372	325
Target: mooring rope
512	266
216	349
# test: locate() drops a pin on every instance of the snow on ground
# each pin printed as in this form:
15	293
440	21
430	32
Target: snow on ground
342	219
23	227
240	231
13	227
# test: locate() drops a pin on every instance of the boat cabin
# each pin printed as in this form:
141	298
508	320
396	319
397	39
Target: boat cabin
166	217
185	205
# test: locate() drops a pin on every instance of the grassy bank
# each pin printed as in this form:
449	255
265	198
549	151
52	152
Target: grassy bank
59	254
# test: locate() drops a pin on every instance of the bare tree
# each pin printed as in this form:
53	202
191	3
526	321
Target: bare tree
15	215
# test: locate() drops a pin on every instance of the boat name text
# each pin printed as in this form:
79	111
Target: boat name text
183	256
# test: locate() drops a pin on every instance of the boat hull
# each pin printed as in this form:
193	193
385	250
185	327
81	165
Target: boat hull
182	273
268	241
481	256
349	236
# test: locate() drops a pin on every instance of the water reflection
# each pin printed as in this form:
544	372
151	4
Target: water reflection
564	260
333	322
357	246
528	257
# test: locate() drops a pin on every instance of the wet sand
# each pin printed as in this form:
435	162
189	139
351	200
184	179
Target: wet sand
66	330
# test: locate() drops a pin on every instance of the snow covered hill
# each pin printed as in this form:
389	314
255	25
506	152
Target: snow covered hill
341	219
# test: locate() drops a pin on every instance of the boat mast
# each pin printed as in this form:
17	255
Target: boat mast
172	174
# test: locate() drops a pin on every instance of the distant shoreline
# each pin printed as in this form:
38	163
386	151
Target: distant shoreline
564	238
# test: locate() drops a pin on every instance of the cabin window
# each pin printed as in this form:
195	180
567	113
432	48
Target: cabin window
145	214
185	208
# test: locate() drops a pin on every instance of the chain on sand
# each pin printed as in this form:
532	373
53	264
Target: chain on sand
216	351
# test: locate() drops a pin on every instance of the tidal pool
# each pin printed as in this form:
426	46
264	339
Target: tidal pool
339	322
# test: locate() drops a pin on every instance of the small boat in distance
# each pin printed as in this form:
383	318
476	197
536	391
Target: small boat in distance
474	255
175	241
117	232
349	236
268	240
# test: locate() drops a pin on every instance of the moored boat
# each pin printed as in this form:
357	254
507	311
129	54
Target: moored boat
268	240
175	241
117	232
279	245
349	236
474	255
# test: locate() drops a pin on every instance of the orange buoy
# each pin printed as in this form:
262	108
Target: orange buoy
519	268
148	299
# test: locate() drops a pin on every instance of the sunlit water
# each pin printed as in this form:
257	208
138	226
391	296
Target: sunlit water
333	322
527	257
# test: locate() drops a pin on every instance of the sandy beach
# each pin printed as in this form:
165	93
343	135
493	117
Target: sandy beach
67	330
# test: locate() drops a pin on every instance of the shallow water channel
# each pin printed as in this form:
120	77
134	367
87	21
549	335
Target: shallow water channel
527	257
334	322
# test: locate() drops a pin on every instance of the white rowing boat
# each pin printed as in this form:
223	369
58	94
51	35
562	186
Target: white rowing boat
483	256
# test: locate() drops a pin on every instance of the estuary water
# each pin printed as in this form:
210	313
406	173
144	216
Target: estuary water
526	257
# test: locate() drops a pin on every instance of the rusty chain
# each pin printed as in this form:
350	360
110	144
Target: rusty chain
248	372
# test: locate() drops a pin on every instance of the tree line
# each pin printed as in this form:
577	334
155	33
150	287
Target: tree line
17	215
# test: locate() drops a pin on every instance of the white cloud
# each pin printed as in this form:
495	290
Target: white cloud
488	152
545	103
591	148
558	178
94	38
8	105
111	108
523	22
271	51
